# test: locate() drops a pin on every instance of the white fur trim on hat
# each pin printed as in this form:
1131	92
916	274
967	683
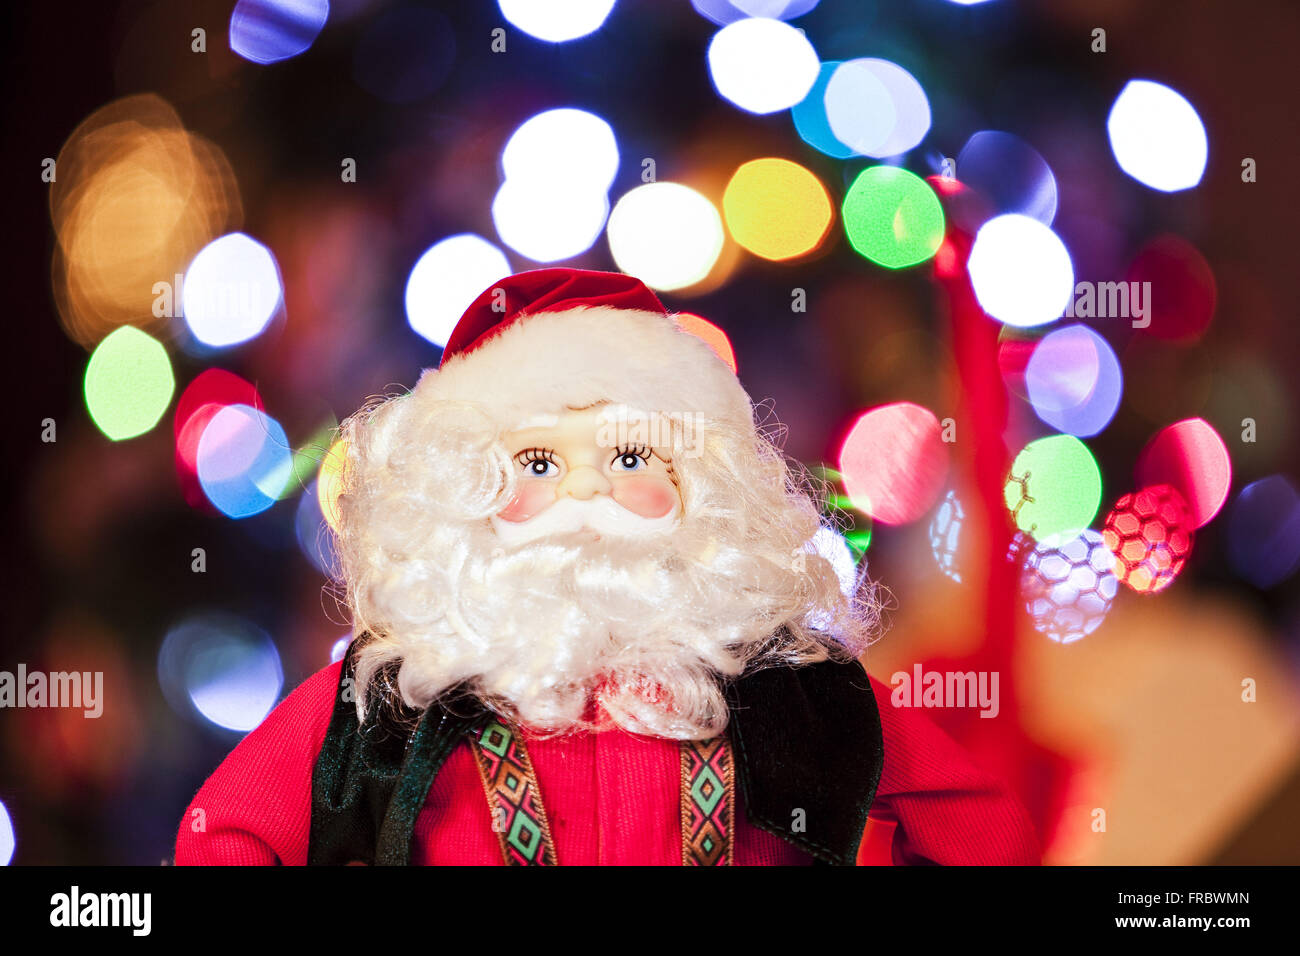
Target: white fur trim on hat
543	363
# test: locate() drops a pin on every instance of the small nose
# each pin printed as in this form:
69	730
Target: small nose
583	482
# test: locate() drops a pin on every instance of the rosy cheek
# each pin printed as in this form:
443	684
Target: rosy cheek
530	498
648	497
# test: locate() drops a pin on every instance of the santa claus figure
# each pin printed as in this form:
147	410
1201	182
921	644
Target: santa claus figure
591	630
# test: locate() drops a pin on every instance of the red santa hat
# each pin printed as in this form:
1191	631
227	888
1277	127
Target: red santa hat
539	341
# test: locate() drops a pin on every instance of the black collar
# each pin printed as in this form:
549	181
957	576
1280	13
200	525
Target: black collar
809	753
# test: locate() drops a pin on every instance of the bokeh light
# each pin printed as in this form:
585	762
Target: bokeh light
666	234
1264	531
892	217
212	390
1019	547
446	279
562	146
1009	174
558	166
876	107
548	222
267	31
309	456
315	538
329	482
723	12
1157	136
894	462
1150	532
556	21
8	841
1021	271
830	544
135	198
713	336
776	209
222	668
1054	488
244	461
1068	585
128	383
231	291
1177	286
810	120
762	65
1073	381
340	648
945	535
1190	456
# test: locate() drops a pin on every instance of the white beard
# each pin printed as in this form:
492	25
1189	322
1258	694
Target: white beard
537	627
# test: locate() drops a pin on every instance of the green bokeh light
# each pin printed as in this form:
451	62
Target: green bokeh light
859	540
128	384
1054	488
307	459
858	536
893	217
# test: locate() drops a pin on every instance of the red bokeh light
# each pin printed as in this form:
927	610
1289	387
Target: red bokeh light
1190	456
1150	532
1183	292
894	462
210	392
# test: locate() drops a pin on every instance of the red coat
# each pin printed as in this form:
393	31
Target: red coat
612	798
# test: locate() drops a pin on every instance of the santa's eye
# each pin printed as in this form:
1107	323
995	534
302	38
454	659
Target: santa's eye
538	463
631	458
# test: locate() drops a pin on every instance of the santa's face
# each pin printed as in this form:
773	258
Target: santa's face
575	475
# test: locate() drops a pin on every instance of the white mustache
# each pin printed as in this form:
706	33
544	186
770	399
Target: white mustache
600	513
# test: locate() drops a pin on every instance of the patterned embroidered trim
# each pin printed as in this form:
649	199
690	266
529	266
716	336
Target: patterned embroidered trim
708	798
708	801
518	817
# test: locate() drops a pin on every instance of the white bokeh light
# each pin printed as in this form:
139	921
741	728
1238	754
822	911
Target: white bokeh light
762	65
231	290
1021	271
548	223
446	279
876	107
1073	380
778	9
1157	136
7	840
556	21
220	668
830	544
1068	584
666	234
564	145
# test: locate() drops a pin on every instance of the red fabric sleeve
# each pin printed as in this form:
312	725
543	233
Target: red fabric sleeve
256	806
948	810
